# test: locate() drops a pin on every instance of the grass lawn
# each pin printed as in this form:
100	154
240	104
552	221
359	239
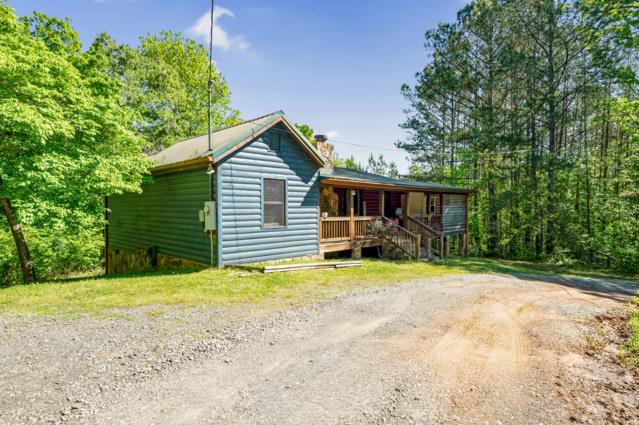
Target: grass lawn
630	350
199	287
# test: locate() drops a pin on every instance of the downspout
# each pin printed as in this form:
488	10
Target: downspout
211	173
220	229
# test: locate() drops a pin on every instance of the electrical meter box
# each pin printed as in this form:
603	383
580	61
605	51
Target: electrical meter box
209	215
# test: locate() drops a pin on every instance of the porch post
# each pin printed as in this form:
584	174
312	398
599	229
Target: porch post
381	203
465	244
441	246
351	222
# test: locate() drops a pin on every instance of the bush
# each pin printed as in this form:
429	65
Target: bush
54	252
383	228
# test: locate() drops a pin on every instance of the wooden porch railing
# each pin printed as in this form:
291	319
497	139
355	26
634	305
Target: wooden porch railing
337	229
429	234
405	240
333	229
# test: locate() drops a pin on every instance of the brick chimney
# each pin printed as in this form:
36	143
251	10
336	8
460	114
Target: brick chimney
325	148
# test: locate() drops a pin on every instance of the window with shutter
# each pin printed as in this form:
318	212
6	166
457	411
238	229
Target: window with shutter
274	141
274	200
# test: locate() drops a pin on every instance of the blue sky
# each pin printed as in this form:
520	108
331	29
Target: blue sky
336	65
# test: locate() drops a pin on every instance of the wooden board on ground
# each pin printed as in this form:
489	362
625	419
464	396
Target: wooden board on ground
303	266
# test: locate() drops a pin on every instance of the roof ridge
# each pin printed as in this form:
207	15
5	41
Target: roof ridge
244	122
225	128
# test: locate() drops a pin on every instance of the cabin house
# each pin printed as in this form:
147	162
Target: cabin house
261	191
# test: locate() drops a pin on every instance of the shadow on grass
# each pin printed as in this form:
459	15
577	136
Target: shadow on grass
120	276
598	283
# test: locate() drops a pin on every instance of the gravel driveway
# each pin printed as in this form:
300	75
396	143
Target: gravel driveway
469	349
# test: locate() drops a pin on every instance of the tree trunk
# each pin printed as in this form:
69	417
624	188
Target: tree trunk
551	100
28	271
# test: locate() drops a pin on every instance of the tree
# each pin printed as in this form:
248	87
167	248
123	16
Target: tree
349	162
380	166
165	83
523	100
65	138
306	131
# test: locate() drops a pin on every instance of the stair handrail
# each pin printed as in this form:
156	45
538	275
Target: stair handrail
425	226
405	232
438	234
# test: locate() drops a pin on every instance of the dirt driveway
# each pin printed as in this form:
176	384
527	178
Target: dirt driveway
470	349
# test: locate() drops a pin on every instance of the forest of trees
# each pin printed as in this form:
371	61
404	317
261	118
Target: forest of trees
534	103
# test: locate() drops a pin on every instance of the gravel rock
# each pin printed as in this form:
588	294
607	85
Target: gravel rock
467	349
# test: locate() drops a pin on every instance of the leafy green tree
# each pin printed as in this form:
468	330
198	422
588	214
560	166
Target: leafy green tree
349	162
306	131
171	91
165	83
66	140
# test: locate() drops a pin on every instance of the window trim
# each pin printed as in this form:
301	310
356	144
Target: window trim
262	200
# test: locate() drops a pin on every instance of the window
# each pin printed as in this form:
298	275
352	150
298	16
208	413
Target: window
274	199
274	141
434	204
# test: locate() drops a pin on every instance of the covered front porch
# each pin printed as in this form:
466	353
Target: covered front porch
347	211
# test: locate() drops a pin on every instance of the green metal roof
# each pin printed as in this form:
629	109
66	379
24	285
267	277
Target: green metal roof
225	140
348	174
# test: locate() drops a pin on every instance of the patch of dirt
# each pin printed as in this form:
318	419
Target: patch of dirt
468	349
598	387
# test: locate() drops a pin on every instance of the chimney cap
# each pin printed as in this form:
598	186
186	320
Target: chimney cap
320	138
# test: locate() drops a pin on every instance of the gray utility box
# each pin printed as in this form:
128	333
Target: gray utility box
208	216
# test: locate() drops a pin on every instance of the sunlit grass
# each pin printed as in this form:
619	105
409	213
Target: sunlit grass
213	287
630	350
208	287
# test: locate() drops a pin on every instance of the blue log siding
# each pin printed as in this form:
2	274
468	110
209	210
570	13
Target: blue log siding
165	215
243	238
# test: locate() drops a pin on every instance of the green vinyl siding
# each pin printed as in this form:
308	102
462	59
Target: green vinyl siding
243	237
164	215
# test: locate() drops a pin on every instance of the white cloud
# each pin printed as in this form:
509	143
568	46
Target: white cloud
200	30
333	134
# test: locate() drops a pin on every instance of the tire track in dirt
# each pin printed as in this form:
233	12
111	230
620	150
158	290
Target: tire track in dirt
484	349
470	349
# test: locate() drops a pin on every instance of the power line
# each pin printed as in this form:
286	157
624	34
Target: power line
378	148
407	152
366	146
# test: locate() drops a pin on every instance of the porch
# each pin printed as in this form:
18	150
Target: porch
346	214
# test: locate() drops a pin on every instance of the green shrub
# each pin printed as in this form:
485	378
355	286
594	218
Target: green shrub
55	252
630	350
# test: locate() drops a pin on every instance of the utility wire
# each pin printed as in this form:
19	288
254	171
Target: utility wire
460	150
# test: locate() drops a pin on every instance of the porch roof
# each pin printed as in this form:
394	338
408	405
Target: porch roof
353	178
